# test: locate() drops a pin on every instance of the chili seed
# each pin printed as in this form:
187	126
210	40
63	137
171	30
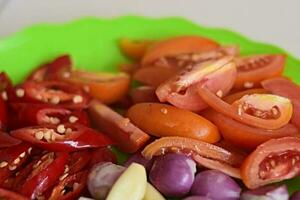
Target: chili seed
73	119
3	164
77	99
20	92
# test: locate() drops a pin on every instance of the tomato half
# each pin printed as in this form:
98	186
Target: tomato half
163	120
134	49
182	89
245	136
7	141
143	94
176	46
106	87
284	87
259	110
128	137
10	195
254	69
62	137
272	161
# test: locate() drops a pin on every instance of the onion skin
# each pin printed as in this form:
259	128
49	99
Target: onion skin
295	196
197	198
173	174
138	158
215	185
101	178
267	193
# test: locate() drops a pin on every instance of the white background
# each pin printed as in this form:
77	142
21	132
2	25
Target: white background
273	21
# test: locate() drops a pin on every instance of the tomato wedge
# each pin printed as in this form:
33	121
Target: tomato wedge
219	158
182	89
9	195
272	161
134	49
129	138
254	69
177	46
258	110
7	141
106	87
163	120
143	94
235	96
284	87
62	137
245	136
44	175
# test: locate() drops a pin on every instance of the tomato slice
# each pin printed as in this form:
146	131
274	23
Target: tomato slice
70	187
7	141
44	175
284	87
236	96
12	158
272	161
259	110
129	138
10	195
182	89
163	120
217	157
143	94
102	155
106	87
254	69
177	46
245	136
134	49
62	137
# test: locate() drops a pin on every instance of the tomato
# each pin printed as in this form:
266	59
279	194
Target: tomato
70	187
177	46
286	88
102	155
12	158
134	49
106	87
128	68
9	195
44	175
143	94
7	141
259	110
203	153
272	161
254	69
62	137
129	138
163	120
182	89
245	136
235	96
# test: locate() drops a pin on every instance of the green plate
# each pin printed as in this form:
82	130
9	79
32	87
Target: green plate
92	43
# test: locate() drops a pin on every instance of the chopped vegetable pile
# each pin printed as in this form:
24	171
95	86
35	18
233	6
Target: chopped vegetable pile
201	123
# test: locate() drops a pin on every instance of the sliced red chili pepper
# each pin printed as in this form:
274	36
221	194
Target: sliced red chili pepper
9	195
5	83
3	115
143	94
70	188
78	161
62	137
102	155
7	141
38	74
44	175
12	158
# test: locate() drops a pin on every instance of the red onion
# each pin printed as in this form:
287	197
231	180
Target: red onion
138	158
267	193
173	174
215	185
296	196
197	198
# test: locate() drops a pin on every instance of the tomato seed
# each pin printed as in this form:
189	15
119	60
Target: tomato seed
164	110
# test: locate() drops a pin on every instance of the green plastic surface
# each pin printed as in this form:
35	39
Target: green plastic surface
92	44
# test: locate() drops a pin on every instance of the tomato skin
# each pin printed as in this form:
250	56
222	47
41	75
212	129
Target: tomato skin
272	67
9	195
251	169
176	46
129	138
134	49
81	137
235	96
244	136
7	141
163	120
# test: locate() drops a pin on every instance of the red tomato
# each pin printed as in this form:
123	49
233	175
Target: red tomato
7	141
182	89
102	155
254	69
44	175
236	96
205	154
259	110
9	195
244	136
284	87
143	94
128	137
62	137
12	158
272	161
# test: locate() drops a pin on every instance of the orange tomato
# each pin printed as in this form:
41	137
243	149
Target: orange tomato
134	49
